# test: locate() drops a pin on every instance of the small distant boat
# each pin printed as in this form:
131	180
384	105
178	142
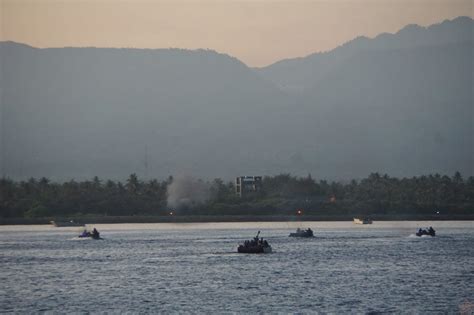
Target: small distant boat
65	223
363	221
255	246
429	232
94	234
302	233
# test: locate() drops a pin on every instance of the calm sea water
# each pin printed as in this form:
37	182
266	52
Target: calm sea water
149	268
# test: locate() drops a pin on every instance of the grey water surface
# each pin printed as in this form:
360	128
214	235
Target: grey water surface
149	268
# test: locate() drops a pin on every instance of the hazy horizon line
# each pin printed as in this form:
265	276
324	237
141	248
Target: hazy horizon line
236	57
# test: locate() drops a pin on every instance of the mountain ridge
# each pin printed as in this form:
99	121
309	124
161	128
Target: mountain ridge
80	112
457	20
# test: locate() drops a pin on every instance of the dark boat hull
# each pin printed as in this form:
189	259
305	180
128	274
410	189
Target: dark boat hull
301	235
254	249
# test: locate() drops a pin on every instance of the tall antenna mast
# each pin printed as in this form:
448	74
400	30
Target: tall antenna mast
146	161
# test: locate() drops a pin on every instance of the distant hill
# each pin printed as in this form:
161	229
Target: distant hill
299	73
76	112
399	103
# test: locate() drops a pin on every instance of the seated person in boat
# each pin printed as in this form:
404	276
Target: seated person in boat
95	233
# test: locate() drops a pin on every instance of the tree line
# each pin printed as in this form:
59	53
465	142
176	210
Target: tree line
282	194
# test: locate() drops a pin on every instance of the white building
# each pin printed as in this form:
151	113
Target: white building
247	184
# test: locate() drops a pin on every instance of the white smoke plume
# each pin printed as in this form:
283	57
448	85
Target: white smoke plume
187	192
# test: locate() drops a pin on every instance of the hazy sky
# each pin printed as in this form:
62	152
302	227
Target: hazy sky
258	32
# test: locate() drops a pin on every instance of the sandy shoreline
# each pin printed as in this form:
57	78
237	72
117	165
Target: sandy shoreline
226	218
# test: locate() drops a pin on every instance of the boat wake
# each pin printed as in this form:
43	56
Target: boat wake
415	236
77	238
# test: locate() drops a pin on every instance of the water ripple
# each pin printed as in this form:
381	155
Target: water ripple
341	270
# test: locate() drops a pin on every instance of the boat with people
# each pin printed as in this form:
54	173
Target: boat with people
87	234
255	246
302	233
362	221
429	232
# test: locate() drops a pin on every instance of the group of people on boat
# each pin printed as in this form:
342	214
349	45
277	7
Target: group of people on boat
298	230
256	242
430	231
94	234
302	233
259	245
256	245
